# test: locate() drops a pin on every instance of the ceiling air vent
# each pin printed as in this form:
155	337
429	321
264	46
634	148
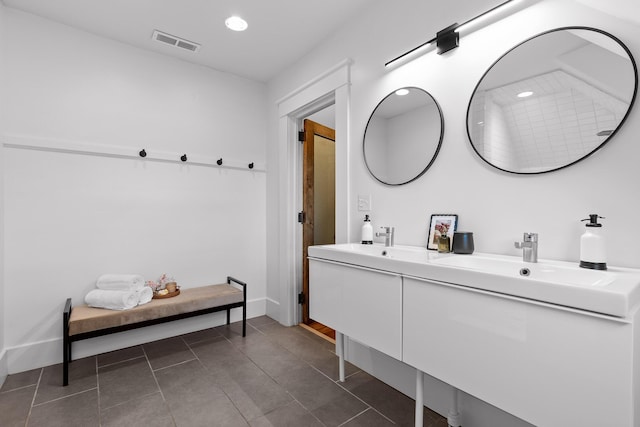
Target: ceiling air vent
175	41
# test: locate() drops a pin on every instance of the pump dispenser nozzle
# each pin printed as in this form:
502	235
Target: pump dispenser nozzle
593	220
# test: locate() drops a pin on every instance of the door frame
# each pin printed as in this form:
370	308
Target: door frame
311	129
330	87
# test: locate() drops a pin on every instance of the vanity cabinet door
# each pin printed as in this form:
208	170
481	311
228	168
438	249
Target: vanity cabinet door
325	293
548	365
362	303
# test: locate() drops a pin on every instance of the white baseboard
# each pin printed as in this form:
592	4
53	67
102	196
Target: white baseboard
4	371
49	352
273	309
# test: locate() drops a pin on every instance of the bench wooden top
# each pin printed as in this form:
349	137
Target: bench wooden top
88	319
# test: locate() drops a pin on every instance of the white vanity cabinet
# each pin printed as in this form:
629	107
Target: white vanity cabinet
550	365
559	346
362	303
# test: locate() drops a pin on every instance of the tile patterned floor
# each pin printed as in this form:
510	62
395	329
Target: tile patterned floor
275	376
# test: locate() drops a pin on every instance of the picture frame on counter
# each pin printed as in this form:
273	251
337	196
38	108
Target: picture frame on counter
441	223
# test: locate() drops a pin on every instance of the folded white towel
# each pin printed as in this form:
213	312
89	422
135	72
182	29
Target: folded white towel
145	294
113	300
121	282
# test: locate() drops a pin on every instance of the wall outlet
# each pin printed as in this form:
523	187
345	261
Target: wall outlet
364	202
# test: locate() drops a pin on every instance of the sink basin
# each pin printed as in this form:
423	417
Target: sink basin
543	271
376	254
615	292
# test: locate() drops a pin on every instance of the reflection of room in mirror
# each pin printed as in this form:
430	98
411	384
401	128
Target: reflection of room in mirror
402	137
582	84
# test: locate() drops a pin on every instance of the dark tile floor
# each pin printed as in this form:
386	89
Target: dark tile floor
275	376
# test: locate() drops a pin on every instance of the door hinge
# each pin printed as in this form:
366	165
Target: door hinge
301	216
301	298
301	135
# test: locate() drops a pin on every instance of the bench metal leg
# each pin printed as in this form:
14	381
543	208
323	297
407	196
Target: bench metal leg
65	363
66	343
244	303
228	316
244	317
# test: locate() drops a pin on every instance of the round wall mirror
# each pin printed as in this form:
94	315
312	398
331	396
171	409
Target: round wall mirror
403	136
552	100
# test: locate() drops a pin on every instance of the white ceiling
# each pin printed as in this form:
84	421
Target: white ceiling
627	10
280	31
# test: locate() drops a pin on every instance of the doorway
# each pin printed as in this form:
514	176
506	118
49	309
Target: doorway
318	201
329	87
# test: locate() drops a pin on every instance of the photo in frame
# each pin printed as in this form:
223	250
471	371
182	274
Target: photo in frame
441	224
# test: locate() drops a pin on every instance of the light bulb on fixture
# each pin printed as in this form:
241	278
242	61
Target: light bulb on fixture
236	23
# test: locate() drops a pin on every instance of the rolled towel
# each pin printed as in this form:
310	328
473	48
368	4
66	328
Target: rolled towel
145	294
120	282
113	300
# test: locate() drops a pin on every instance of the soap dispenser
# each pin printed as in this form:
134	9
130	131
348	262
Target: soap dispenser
367	231
592	245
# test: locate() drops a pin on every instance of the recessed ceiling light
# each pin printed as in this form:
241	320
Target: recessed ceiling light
525	94
236	23
402	92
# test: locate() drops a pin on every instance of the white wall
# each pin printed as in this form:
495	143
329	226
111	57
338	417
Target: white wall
498	207
3	321
550	204
71	217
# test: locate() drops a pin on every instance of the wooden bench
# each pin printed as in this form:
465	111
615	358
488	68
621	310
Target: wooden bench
82	322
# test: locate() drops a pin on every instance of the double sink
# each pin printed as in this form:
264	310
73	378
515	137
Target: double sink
614	292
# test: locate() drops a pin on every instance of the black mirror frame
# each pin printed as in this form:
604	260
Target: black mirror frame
631	104
435	154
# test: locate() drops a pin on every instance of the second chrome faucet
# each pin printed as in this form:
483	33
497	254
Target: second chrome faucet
529	246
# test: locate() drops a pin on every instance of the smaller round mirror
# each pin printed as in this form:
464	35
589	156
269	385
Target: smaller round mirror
403	136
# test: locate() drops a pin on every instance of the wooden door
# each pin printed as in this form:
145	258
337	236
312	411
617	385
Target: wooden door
318	197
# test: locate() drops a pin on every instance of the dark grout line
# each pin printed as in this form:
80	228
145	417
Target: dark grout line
34	405
98	367
153	373
175	364
19	388
33	399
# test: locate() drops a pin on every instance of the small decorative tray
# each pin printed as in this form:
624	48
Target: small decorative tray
169	295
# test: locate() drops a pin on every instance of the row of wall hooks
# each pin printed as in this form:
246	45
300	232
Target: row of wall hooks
143	153
118	151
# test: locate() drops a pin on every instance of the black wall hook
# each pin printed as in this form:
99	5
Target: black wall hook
219	162
143	153
183	157
251	165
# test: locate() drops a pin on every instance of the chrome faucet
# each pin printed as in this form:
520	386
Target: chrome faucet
388	235
529	246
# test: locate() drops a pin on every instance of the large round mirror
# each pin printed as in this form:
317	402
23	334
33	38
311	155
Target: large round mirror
552	100
403	136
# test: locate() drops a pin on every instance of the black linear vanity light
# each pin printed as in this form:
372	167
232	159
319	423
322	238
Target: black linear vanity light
448	38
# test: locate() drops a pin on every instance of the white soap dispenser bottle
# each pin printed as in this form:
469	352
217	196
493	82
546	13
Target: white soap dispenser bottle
592	245
367	231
